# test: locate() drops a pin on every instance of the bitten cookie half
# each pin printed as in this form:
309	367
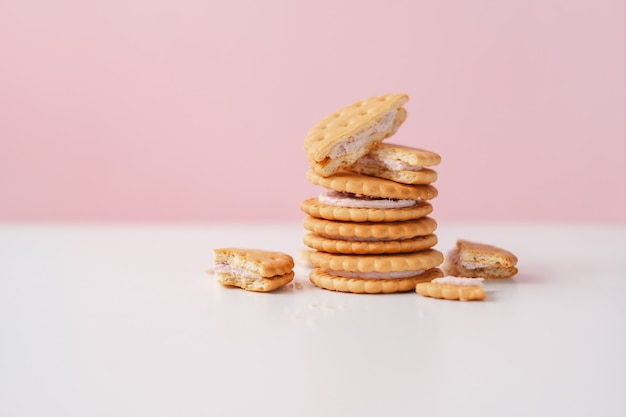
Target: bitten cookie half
253	269
344	136
479	260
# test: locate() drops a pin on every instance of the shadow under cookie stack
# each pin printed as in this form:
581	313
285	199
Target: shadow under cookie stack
370	229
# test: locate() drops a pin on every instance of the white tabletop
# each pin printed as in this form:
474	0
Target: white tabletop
122	320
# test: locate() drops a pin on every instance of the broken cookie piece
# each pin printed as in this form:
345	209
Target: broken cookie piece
253	269
453	288
479	260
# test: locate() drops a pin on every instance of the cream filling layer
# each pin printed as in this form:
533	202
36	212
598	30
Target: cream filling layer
376	275
470	282
475	265
341	199
352	143
224	268
390	164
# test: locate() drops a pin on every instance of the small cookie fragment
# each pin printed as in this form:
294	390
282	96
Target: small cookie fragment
253	269
453	288
479	260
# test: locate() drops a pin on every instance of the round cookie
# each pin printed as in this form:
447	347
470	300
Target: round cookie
324	244
314	208
350	182
382	231
342	137
324	280
422	260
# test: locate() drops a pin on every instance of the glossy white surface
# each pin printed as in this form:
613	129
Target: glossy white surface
122	320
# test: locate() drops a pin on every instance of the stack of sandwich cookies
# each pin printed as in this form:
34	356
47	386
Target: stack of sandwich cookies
370	230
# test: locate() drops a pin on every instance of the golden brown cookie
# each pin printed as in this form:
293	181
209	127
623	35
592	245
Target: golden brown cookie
327	281
398	163
353	183
342	137
422	260
325	244
314	208
253	269
347	230
453	288
478	260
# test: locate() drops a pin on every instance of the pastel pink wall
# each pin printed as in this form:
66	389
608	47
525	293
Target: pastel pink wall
197	110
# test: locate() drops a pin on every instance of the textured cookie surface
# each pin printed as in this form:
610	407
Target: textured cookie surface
422	260
255	284
473	260
342	137
423	176
370	230
351	182
314	208
327	281
261	262
405	154
398	163
324	244
451	291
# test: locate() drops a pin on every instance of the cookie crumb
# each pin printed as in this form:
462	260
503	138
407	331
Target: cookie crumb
296	316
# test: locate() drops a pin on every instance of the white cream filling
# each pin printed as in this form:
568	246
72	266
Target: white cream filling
352	143
376	275
224	268
340	199
459	281
474	265
390	164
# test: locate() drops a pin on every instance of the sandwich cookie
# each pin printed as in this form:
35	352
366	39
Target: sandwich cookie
359	198
374	273
478	260
398	163
344	136
370	237
370	231
253	269
325	244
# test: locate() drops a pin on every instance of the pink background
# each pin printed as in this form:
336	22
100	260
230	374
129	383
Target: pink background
197	110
